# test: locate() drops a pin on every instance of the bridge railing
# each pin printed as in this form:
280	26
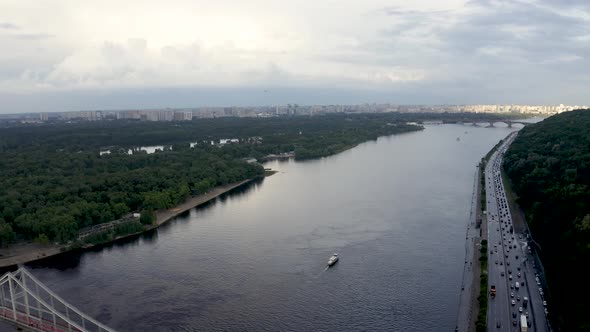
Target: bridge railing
26	301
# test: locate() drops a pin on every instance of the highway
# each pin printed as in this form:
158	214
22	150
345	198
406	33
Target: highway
509	260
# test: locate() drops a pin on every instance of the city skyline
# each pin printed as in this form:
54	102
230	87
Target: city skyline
197	53
190	113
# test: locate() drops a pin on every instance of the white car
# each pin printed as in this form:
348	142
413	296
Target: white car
520	309
514	303
544	303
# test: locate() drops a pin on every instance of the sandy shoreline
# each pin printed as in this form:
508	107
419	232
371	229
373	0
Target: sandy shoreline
24	253
164	216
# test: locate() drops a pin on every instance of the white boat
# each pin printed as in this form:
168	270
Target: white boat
333	260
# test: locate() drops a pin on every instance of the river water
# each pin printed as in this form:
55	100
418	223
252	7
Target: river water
395	210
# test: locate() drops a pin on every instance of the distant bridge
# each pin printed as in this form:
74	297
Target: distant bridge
489	121
28	304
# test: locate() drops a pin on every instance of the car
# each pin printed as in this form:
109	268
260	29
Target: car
508	263
509	271
518	268
520	309
541	292
511	286
496	262
518	298
513	314
502	274
498	324
513	302
511	294
514	322
510	276
501	263
516	256
544	303
526	313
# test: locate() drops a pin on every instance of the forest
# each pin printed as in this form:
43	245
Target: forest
549	167
54	181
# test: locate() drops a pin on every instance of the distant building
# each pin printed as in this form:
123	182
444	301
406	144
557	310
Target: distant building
183	116
229	141
166	115
44	116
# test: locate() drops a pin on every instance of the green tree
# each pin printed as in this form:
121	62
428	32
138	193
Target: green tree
119	209
64	229
7	235
147	217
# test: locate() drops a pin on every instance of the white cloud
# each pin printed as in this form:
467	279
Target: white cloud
136	43
381	44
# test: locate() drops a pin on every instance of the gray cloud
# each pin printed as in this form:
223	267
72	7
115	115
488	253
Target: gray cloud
486	51
8	26
32	36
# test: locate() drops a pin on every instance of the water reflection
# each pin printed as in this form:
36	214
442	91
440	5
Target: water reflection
62	262
72	259
252	259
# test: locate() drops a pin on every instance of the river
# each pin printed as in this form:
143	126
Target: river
395	210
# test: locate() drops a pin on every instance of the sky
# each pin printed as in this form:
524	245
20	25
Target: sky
66	55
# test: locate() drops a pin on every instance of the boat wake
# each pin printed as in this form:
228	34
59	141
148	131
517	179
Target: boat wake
324	270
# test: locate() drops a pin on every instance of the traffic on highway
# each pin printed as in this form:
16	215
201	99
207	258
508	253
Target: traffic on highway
515	299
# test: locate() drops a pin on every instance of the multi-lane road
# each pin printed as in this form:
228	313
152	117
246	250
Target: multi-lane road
509	260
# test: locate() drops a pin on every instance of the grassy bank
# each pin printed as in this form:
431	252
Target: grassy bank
481	323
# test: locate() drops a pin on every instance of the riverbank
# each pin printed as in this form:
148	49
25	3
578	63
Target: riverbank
163	216
29	252
470	286
473	297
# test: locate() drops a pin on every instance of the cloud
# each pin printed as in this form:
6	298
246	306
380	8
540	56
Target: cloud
456	50
8	26
32	36
134	64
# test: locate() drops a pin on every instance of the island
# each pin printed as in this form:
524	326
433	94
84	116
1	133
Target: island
75	184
